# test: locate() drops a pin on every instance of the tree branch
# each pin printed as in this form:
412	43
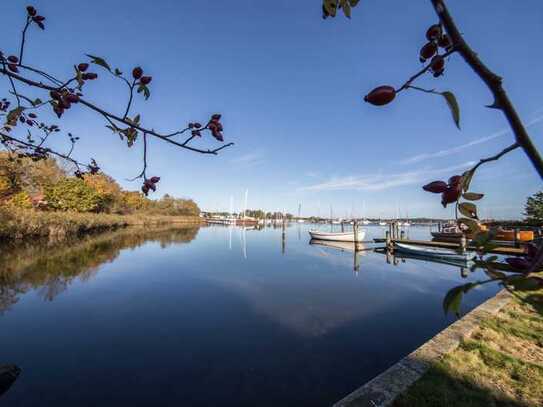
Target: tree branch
494	84
119	119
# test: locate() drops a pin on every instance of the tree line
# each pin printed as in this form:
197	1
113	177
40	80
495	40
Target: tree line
46	186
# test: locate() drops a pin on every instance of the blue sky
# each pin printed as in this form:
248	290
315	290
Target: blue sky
290	88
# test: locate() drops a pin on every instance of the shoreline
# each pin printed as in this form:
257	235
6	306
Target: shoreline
20	225
383	389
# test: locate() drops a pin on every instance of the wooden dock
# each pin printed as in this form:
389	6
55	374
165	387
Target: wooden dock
505	250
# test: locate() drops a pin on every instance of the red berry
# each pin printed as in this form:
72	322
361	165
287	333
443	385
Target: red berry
381	95
216	117
455	180
13	59
65	103
154	180
445	41
449	196
30	122
31	11
137	72
32	115
38	18
55	95
436	187
13	68
72	98
434	32
146	80
83	66
197	125
90	76
428	50
437	64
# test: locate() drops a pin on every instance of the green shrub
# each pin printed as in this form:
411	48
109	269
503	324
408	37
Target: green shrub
73	194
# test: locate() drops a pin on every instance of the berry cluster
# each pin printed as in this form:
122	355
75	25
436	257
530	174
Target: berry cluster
149	184
137	74
82	69
33	16
450	191
436	39
63	100
215	127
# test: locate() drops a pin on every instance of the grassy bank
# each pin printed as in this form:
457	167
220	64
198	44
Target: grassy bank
22	224
500	365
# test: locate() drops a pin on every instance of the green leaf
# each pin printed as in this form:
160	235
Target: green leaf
330	6
13	116
523	283
495	275
468	209
491	259
145	90
36	102
466	179
136	119
453	105
346	6
118	72
473	226
472	196
99	61
453	299
353	2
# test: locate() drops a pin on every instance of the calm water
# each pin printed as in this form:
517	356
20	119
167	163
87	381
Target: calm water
213	316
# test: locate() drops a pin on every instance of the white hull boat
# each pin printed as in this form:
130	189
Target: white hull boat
337	236
436	252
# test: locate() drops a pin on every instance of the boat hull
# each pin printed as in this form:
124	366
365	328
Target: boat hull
434	252
337	237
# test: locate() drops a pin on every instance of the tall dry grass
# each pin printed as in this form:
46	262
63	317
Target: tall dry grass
26	223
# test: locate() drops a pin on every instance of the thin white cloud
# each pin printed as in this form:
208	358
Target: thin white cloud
248	159
454	150
379	182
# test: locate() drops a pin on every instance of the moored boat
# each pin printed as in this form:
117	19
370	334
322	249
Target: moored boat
337	236
435	252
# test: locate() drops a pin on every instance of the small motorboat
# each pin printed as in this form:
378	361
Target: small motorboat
436	252
337	236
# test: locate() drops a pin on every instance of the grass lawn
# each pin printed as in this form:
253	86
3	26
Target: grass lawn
500	365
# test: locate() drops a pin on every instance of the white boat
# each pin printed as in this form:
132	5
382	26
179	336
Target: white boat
436	252
382	223
365	222
337	236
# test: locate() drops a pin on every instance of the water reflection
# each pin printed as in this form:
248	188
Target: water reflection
146	319
51	268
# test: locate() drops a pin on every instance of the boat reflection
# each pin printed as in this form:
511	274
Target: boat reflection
395	257
358	249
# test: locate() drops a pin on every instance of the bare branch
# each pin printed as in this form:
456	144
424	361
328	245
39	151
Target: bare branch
494	84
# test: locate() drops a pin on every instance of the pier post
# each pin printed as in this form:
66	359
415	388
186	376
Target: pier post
463	243
388	239
402	235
